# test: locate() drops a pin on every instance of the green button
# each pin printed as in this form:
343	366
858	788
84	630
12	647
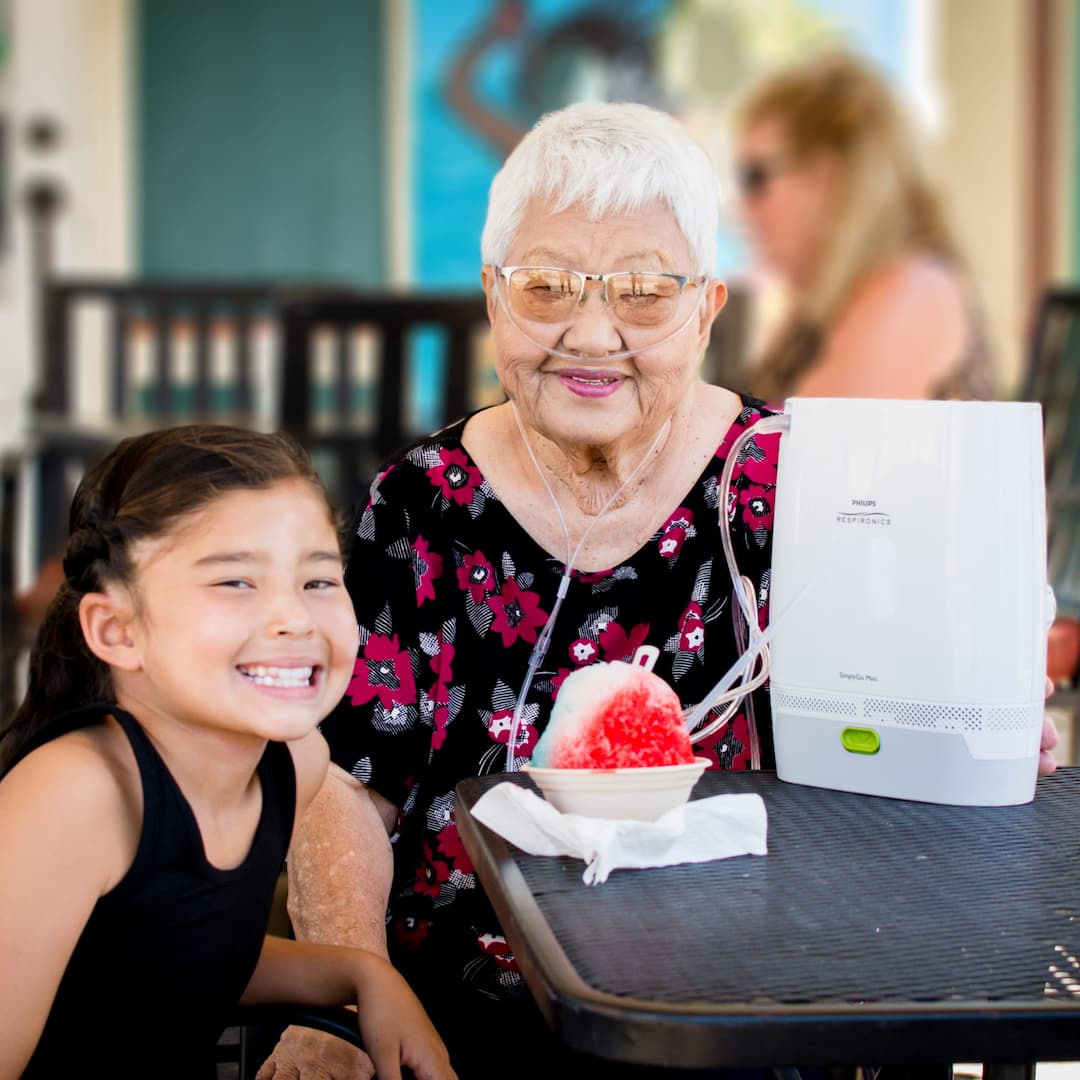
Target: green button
860	740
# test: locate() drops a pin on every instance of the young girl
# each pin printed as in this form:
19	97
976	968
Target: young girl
153	774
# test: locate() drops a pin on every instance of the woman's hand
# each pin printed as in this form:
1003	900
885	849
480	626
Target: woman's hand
1049	739
395	1029
306	1054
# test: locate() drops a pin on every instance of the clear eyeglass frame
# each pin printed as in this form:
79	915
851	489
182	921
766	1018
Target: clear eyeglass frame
683	281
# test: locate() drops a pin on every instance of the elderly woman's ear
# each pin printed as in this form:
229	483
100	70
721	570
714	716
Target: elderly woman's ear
715	298
487	280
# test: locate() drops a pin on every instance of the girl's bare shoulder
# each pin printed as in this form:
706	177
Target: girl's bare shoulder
80	791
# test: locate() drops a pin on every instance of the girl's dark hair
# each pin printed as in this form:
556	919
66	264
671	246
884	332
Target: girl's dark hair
144	488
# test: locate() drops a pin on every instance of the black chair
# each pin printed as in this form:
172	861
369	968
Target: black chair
353	419
1053	380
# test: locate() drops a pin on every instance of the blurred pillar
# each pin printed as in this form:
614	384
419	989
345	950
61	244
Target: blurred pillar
43	199
1042	126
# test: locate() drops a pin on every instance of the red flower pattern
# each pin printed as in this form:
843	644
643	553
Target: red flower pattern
455	477
431	873
477	576
382	670
556	683
618	644
583	651
682	518
693	612
409	929
671	542
428	568
757	503
517	614
453	850
762	470
691	628
674	532
729	749
439	694
496	945
499	729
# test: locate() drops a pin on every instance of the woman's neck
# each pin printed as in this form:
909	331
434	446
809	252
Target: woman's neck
595	477
598	476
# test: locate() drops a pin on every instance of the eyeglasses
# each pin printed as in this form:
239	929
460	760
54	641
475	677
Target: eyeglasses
753	175
550	294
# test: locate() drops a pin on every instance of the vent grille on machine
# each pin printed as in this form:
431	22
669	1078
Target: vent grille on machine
896	712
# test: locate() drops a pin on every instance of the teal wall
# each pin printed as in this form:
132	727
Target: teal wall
259	138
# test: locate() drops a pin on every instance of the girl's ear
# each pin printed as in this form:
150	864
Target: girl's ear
106	619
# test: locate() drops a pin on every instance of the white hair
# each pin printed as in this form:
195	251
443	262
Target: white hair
609	159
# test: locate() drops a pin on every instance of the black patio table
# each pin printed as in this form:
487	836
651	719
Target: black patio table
875	930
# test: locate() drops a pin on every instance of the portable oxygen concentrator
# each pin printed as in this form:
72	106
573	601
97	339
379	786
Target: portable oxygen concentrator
909	599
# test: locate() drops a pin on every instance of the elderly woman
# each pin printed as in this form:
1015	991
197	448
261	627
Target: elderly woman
582	513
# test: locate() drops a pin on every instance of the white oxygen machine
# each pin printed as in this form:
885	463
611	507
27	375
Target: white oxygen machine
909	599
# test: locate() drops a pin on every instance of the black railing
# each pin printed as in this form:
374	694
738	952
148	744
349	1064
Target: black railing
154	313
366	417
244	353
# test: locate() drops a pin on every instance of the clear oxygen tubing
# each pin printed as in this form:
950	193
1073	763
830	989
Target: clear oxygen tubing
564	354
737	682
540	648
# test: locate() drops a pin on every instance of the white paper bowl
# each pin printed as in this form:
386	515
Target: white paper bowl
642	794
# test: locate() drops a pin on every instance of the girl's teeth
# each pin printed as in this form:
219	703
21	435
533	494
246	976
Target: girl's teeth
275	676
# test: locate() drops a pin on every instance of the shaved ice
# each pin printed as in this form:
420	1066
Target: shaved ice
614	716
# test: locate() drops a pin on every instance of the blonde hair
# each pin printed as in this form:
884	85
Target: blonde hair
834	103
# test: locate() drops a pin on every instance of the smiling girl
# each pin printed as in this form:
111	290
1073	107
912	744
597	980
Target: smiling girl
165	748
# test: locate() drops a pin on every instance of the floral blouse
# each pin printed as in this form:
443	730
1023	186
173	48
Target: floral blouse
450	593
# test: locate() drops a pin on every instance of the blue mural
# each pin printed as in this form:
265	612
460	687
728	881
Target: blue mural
486	70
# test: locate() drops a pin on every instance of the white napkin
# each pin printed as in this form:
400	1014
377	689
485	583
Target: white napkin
699	831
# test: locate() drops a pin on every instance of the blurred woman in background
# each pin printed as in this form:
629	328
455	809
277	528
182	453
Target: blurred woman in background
840	206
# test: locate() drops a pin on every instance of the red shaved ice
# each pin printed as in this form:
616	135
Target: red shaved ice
614	716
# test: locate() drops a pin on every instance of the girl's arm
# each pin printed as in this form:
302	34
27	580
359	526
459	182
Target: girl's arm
67	836
394	1026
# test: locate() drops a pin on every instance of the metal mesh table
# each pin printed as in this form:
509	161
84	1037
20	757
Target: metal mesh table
875	930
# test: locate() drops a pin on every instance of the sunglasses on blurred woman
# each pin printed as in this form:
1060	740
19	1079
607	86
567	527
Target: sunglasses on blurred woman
754	175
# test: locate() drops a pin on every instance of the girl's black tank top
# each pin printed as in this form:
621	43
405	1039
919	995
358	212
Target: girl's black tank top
167	953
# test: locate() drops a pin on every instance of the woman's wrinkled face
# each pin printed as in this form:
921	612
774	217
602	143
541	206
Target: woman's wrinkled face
787	205
582	397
